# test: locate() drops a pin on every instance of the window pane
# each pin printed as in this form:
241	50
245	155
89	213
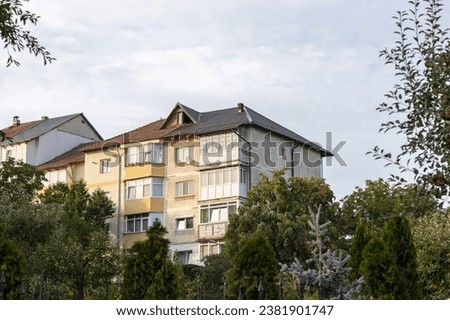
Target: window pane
157	187
155	217
137	225
181	224
130	226
131	194
189	223
204	215
146	190
144	223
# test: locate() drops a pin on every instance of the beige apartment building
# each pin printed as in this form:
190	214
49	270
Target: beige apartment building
190	171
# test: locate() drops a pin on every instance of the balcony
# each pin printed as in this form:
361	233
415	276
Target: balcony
211	231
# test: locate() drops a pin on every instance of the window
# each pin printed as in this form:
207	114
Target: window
217	212
144	188
184	155
140	222
157	187
184	257
243	175
184	188
219	177
209	249
185	223
56	176
105	166
147	153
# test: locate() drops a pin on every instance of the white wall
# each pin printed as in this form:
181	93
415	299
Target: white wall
51	145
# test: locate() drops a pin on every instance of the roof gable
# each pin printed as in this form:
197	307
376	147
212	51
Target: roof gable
181	115
25	132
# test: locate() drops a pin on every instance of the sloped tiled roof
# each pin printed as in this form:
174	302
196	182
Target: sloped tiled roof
14	130
147	132
231	118
30	130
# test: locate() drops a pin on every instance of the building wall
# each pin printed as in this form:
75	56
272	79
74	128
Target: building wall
50	145
17	151
79	126
182	207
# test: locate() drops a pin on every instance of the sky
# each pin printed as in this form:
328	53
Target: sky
313	66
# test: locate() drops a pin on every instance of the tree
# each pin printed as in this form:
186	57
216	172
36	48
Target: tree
212	277
282	207
420	102
12	264
19	181
254	264
363	234
148	271
376	267
400	245
328	276
13	19
379	200
432	240
79	252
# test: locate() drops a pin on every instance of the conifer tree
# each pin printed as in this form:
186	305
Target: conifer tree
400	245
362	236
376	268
148	271
255	263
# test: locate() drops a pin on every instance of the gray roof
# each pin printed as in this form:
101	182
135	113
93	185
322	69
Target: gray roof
42	127
229	119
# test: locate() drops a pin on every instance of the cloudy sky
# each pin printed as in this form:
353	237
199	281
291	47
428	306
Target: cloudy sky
310	65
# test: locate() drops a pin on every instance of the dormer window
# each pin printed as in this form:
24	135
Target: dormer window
182	118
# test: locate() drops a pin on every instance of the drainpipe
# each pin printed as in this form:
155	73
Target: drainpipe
292	158
119	203
249	166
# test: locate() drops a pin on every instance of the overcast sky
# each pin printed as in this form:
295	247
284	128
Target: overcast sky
311	65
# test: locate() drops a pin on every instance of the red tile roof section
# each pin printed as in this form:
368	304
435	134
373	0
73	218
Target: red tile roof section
148	132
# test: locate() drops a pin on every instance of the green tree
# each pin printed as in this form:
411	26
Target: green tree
254	262
363	234
212	276
79	253
19	181
12	264
432	240
376	268
400	245
148	270
13	19
419	103
282	207
379	200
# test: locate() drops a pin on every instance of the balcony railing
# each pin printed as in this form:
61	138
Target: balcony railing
214	230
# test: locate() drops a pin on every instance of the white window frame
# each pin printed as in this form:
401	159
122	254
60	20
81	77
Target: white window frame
143	154
184	257
185	223
217	212
210	249
184	188
184	154
136	223
105	166
144	188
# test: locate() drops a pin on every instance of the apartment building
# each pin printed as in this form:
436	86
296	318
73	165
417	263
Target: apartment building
191	171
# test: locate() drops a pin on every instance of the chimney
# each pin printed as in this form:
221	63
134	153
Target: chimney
16	121
240	107
44	118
